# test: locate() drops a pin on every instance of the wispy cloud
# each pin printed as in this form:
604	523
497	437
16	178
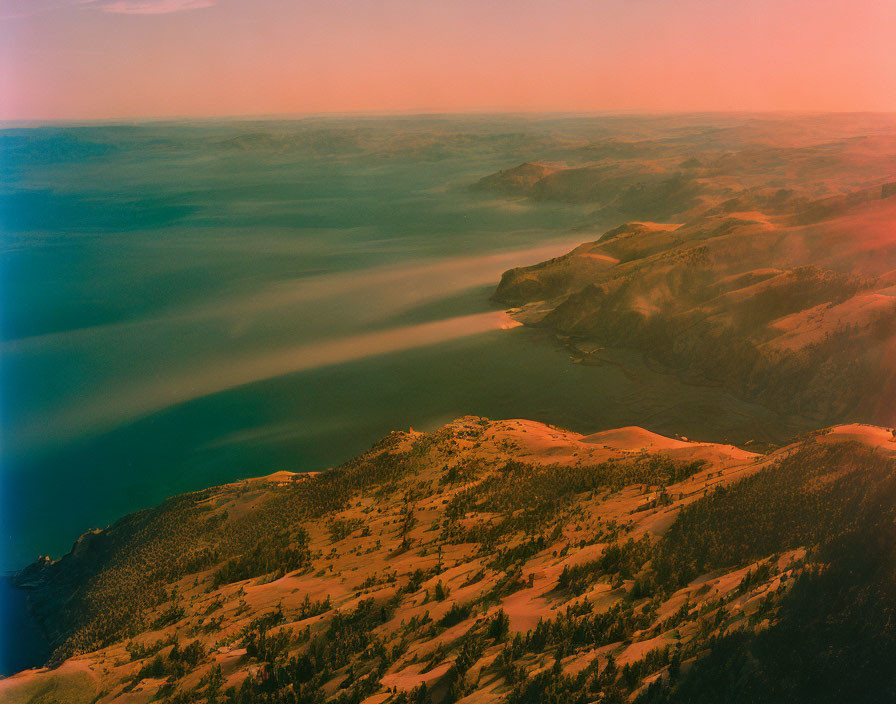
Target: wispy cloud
20	9
147	7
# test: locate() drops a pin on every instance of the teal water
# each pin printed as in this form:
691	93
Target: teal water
189	304
22	643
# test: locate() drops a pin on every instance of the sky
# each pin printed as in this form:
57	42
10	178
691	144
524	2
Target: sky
111	59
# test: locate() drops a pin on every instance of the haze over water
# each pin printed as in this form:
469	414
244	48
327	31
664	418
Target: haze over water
189	304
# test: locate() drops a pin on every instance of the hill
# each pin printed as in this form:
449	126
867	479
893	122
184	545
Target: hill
493	561
769	270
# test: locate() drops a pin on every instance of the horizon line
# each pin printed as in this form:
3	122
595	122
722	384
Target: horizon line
25	123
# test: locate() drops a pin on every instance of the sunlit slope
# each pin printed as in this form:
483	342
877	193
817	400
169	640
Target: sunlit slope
487	561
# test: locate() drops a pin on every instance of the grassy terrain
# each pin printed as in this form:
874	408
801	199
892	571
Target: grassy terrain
491	561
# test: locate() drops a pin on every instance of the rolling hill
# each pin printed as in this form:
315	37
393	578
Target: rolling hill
768	270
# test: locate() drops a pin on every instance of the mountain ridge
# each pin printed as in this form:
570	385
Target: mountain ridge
458	553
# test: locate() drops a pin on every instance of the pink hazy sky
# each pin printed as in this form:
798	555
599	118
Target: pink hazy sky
86	59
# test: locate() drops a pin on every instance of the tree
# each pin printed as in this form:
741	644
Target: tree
499	626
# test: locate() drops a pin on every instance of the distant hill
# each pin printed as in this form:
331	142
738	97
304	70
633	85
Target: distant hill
517	180
770	270
494	561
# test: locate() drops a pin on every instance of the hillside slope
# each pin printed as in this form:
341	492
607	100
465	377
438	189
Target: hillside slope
750	258
492	561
